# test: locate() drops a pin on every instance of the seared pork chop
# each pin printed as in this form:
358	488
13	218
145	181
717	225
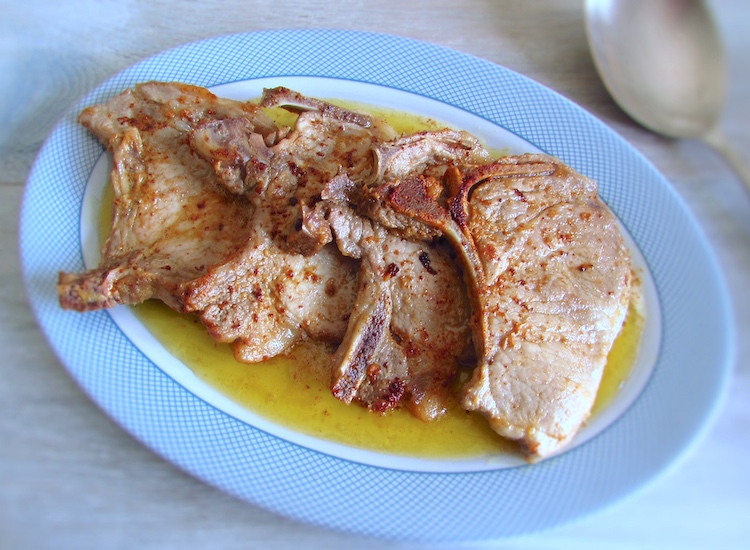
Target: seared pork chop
408	325
285	284
549	277
287	178
423	154
172	221
337	230
180	236
409	328
298	103
264	299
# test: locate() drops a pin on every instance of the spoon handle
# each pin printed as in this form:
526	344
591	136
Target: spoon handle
716	139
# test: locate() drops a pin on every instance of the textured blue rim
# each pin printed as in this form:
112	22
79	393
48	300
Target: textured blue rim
671	413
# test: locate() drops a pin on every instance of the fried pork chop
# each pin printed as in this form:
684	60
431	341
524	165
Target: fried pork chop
338	230
264	300
286	283
409	331
549	277
172	221
179	235
408	324
409	328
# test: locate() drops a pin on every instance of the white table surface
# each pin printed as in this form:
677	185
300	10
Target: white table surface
71	478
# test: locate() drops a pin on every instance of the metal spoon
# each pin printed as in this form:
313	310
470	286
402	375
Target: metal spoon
663	62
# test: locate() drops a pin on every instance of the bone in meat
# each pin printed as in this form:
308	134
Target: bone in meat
288	177
171	219
549	277
408	331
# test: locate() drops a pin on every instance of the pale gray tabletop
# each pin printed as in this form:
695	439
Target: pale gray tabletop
71	478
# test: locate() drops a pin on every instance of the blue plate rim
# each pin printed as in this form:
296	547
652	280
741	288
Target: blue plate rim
40	299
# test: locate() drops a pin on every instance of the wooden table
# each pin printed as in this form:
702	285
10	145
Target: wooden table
71	478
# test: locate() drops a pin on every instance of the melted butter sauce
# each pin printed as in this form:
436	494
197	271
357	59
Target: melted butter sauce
294	390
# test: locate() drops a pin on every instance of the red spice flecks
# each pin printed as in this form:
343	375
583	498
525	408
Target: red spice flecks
331	287
391	271
373	372
424	258
520	195
396	391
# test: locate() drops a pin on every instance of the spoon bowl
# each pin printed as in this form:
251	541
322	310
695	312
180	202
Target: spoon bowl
663	63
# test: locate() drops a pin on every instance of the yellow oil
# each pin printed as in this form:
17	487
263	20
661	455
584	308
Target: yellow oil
294	390
622	356
402	123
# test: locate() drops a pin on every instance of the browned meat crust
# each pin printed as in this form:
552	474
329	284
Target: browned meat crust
404	251
549	276
171	220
